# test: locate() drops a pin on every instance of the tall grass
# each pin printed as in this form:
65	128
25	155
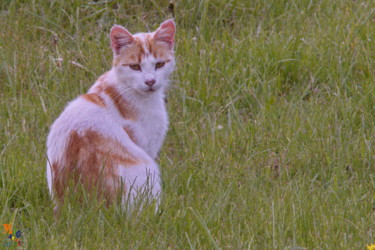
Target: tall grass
271	142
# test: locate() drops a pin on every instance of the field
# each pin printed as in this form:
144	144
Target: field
272	123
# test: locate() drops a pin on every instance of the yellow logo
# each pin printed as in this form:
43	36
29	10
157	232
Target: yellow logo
13	238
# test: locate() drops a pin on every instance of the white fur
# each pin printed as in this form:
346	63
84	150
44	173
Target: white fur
149	128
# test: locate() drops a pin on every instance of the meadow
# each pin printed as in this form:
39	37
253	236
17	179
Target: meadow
272	123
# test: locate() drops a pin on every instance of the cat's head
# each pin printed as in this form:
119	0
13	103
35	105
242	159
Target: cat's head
144	61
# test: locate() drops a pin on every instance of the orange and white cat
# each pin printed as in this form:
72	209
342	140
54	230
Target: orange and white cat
107	140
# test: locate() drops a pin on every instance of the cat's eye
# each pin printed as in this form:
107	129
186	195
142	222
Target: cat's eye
159	65
136	67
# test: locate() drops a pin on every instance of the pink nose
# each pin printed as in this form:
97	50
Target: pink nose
150	82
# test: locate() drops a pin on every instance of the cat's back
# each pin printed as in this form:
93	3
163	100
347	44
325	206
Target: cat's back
94	123
88	135
81	114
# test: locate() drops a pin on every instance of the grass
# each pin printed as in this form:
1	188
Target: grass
272	111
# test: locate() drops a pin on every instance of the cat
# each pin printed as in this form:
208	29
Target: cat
108	140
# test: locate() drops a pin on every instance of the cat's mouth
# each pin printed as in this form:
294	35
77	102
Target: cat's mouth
148	90
151	89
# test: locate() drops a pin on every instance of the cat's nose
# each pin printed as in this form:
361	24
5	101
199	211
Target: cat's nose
150	82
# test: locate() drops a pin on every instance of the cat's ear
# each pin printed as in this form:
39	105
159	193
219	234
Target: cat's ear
165	33
120	37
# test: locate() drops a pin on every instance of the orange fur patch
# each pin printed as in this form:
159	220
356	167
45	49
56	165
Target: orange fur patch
132	54
158	49
91	160
138	49
130	133
94	98
123	106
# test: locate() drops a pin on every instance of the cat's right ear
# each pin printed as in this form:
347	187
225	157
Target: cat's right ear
120	37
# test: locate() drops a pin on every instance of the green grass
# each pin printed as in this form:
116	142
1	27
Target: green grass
272	111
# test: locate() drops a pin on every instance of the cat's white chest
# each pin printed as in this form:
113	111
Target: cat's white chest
150	129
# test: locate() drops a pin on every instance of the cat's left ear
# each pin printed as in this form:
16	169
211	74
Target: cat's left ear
165	33
120	37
